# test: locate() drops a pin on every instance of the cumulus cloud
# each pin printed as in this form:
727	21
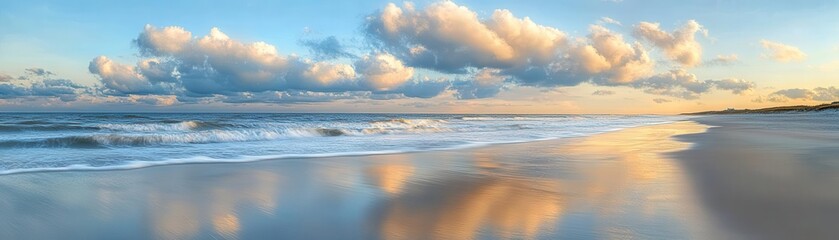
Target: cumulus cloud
722	60
450	38
782	52
681	84
680	45
816	94
423	89
8	91
676	83
826	94
383	71
736	86
479	56
603	93
154	41
216	64
793	93
62	89
122	79
612	59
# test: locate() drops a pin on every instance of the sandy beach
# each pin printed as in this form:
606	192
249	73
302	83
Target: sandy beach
768	177
670	181
435	119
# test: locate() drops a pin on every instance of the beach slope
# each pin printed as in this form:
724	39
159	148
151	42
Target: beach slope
668	181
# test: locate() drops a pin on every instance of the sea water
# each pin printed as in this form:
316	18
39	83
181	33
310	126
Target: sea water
32	142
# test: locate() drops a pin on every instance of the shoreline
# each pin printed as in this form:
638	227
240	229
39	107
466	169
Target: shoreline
545	189
765	178
247	159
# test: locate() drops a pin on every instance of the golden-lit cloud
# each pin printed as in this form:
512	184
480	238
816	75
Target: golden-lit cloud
441	50
680	45
383	71
782	52
451	38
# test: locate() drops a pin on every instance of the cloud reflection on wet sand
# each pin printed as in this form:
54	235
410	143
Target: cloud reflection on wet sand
613	185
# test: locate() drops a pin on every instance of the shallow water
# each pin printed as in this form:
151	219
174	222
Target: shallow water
617	185
76	141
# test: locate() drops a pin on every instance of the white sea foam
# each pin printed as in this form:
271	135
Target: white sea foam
153	127
143	142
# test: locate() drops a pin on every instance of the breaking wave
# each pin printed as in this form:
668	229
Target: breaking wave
91	141
192	132
164	126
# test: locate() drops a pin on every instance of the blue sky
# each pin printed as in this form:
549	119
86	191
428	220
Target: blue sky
63	37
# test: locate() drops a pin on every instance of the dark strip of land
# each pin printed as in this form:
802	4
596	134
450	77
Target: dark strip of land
781	109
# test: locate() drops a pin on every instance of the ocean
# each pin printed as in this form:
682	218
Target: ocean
33	142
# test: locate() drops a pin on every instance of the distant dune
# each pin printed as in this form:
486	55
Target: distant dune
782	109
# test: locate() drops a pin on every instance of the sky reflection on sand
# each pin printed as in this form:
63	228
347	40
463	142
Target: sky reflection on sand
613	185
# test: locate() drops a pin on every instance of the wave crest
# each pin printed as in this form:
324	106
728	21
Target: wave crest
197	132
400	125
158	127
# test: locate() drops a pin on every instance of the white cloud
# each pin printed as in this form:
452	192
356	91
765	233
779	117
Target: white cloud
681	84
478	57
736	86
383	71
217	64
609	20
170	40
122	78
450	38
61	89
618	61
782	52
680	45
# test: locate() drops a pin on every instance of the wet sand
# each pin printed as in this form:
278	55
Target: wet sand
767	179
626	184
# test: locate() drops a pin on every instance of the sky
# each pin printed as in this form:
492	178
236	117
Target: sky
594	56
